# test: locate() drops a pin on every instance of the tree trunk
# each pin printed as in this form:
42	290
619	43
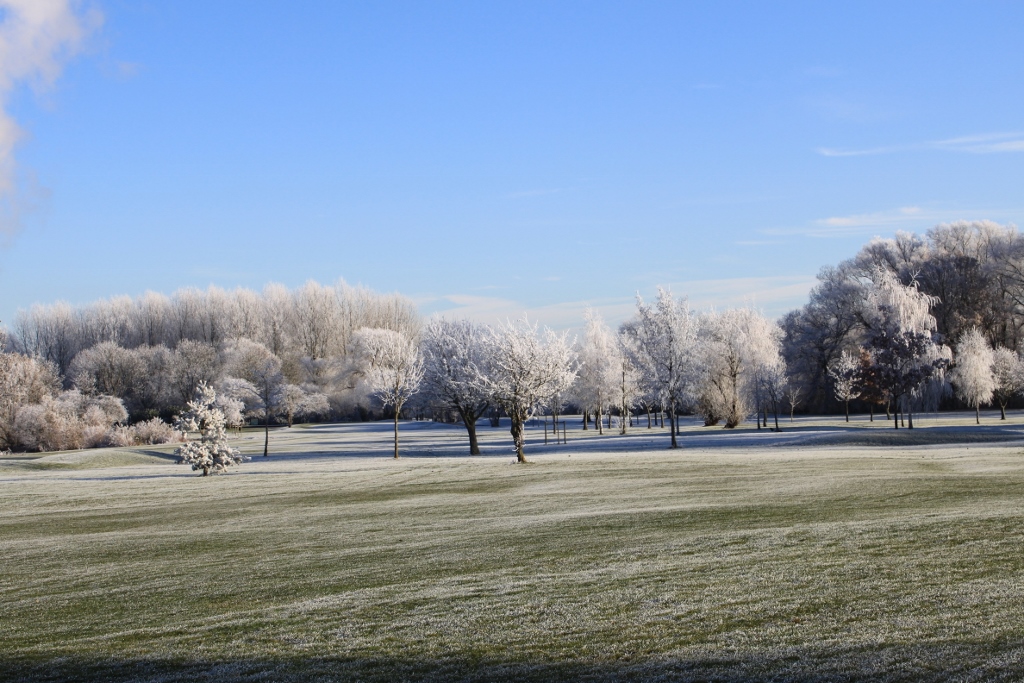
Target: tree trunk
517	437
206	470
895	417
847	411
977	413
474	447
776	411
266	434
871	408
1002	411
648	418
910	419
597	421
396	433
586	419
672	427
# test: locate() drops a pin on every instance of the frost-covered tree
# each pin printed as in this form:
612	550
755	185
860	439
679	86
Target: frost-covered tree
1008	369
211	452
303	402
600	368
192	363
392	366
526	370
846	380
455	356
254	363
972	373
666	337
628	378
901	339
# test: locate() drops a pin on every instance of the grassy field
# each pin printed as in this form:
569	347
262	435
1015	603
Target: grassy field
805	556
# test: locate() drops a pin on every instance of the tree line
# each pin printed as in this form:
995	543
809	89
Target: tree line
899	326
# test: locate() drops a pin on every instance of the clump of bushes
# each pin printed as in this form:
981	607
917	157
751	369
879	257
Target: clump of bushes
146	433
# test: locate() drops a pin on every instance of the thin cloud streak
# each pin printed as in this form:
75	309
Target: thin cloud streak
774	295
989	143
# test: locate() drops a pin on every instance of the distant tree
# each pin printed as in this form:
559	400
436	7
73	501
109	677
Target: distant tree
869	386
600	368
254	363
794	396
455	355
526	370
1008	369
192	363
972	373
666	338
298	402
629	377
211	453
846	381
392	367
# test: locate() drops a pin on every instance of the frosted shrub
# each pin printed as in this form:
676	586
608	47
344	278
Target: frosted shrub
68	421
150	432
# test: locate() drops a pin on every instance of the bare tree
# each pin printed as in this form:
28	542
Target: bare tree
392	366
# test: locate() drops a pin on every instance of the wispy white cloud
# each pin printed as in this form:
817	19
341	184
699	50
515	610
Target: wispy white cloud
992	143
910	218
988	143
36	38
906	217
522	194
773	295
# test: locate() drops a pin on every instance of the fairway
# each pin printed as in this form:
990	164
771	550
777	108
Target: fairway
739	556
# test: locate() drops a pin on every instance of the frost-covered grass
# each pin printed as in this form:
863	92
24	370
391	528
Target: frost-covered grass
598	561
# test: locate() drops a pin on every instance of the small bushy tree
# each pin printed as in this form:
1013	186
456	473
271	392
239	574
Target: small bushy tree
211	452
1008	369
972	375
845	374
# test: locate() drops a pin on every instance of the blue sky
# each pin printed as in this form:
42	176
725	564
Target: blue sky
488	159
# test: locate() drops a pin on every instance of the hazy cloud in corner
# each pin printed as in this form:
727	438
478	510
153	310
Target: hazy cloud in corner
36	38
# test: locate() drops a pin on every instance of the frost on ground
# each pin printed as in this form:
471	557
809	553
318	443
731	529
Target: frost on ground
725	560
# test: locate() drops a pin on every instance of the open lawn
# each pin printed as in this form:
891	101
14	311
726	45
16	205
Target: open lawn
824	552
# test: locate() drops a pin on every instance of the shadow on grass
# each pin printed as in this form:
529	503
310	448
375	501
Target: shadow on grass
939	661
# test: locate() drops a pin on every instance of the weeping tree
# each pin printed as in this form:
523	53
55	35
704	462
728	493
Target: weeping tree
901	338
